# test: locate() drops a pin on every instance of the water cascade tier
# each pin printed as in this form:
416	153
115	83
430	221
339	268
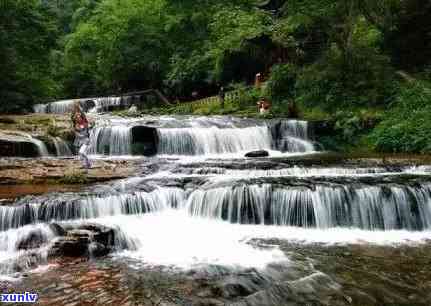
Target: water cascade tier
200	136
93	105
199	210
320	205
21	144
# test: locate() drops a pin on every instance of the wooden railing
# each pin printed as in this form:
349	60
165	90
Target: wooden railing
230	96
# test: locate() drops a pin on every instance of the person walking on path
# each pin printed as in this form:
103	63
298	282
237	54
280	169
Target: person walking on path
221	95
82	135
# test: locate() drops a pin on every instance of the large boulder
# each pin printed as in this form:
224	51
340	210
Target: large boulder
259	153
86	240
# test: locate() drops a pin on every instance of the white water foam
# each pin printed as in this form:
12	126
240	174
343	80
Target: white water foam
171	238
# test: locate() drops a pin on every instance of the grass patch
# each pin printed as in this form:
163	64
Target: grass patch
74	178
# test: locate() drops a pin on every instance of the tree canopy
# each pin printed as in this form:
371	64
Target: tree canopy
337	52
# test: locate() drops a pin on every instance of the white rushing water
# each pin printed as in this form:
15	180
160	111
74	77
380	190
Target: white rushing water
203	141
95	105
364	207
293	136
41	147
203	136
111	140
10	252
62	148
57	107
174	238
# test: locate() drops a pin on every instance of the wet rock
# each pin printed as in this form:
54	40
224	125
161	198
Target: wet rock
97	249
25	262
69	247
57	229
87	240
33	241
208	302
259	153
16	145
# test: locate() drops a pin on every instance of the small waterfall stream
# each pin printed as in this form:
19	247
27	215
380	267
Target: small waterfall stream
41	147
111	140
203	141
202	137
62	148
363	207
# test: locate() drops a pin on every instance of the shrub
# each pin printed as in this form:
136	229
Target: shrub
407	127
74	178
281	84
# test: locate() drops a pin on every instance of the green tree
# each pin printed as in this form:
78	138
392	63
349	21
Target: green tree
27	34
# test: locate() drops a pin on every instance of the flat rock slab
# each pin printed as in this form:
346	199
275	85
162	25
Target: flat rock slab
49	172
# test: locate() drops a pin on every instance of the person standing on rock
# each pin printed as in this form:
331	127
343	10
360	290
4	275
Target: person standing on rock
82	134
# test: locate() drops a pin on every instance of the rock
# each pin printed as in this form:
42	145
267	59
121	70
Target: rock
17	145
57	229
97	249
33	241
87	240
260	153
69	247
26	262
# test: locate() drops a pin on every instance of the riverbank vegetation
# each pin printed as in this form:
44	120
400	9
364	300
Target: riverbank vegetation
363	65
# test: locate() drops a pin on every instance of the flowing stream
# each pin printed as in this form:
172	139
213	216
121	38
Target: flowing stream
204	211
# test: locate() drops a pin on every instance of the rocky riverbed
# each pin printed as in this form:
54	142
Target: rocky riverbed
197	222
359	275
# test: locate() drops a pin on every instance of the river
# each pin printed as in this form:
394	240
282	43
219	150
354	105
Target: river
201	224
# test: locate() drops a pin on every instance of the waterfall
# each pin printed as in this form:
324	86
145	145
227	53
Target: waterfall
88	207
364	207
105	103
40	108
293	136
13	258
62	148
41	147
111	140
57	107
367	207
297	172
200	136
93	105
214	140
201	139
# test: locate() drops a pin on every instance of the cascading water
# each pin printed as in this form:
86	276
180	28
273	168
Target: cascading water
62	148
111	140
105	103
293	136
370	208
13	253
289	135
200	136
34	211
364	207
93	105
40	108
184	213
204	141
40	145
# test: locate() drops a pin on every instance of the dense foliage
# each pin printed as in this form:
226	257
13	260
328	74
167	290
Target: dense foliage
318	56
407	127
